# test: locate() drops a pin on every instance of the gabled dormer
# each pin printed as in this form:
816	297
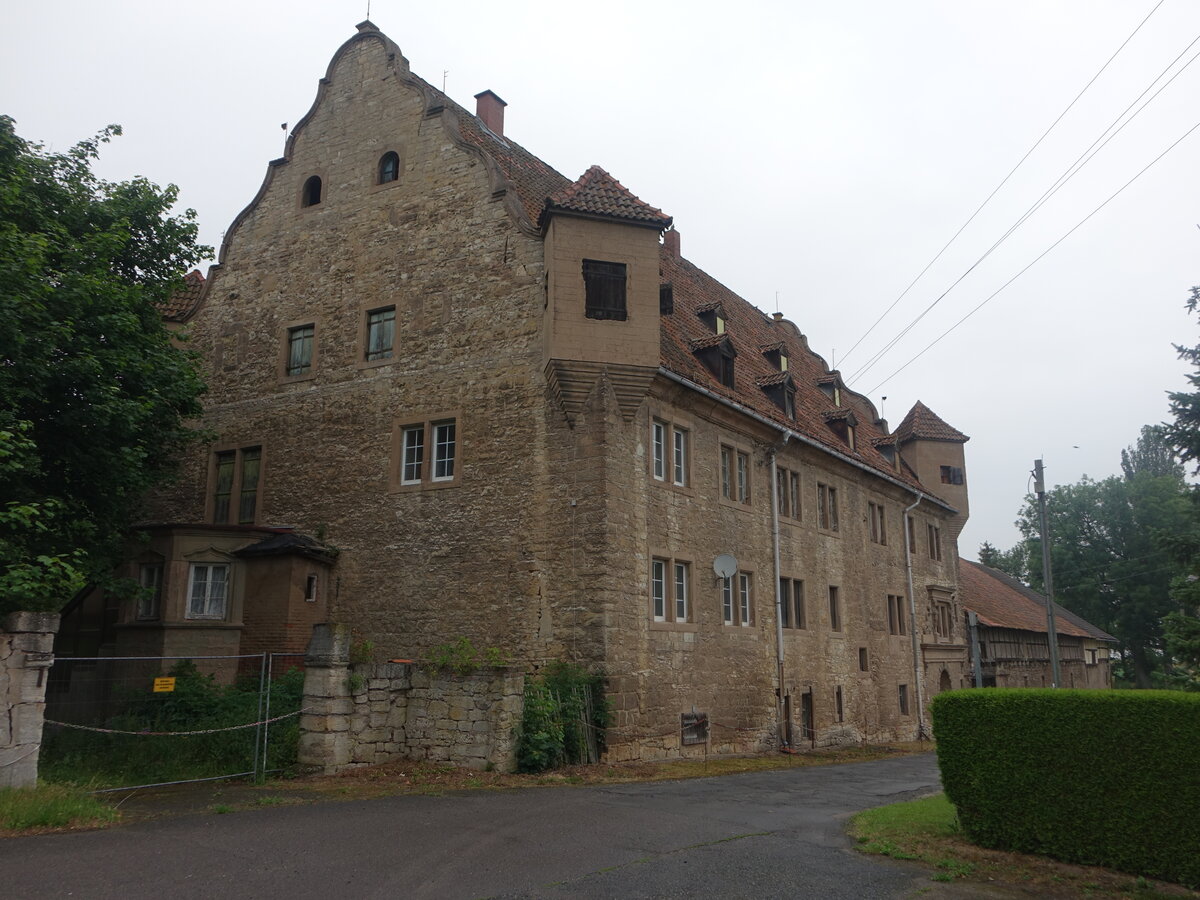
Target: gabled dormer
844	424
781	389
777	355
713	315
831	386
717	354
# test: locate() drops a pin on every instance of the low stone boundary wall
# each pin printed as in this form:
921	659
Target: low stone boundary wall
371	713
26	654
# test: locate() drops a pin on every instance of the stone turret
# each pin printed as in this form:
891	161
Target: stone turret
934	451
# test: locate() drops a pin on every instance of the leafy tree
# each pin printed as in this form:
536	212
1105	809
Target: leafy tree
1182	627
1110	562
93	392
1013	561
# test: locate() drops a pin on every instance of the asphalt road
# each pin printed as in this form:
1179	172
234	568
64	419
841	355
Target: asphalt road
759	835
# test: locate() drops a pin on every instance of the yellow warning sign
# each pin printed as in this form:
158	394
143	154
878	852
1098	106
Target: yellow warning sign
163	685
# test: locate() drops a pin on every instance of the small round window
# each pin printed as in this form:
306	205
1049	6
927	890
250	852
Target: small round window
389	167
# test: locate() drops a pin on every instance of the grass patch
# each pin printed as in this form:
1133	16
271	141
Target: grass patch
927	831
50	807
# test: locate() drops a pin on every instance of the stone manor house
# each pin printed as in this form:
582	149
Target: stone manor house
459	394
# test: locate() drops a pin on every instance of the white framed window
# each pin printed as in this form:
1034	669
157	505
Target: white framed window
413	463
745	604
682	610
679	456
149	604
208	591
670	590
670	453
737	599
444	450
425	453
659	449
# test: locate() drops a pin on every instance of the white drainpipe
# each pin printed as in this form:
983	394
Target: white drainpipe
918	676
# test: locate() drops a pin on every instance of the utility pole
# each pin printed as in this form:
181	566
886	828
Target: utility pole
1039	486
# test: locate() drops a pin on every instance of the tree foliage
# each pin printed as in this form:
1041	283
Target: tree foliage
1013	561
1182	627
93	393
1109	541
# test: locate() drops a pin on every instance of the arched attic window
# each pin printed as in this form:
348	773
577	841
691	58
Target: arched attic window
311	195
389	167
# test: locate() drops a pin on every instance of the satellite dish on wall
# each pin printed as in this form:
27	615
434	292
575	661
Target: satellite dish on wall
725	565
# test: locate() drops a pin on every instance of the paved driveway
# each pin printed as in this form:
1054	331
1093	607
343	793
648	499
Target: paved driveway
759	835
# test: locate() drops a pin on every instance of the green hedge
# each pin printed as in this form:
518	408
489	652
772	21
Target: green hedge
1107	778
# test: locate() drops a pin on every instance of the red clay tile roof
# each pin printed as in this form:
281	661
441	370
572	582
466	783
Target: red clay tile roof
531	178
772	380
748	329
183	302
1003	602
709	340
922	423
597	193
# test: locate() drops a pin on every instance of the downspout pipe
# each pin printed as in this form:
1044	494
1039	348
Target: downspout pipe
918	678
779	705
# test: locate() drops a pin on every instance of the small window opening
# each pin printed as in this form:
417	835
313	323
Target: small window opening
389	167
666	299
310	589
604	290
312	191
864	660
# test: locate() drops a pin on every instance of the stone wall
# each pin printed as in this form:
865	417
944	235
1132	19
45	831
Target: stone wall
26	644
375	712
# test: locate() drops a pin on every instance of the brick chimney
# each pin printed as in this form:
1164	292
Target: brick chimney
490	108
671	242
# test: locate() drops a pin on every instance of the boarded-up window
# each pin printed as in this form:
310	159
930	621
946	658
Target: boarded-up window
604	289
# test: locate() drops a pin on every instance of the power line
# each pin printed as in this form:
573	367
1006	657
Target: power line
1038	258
1003	182
1070	172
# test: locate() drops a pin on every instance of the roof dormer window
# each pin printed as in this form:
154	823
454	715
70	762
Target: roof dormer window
782	392
831	387
777	356
714	317
717	354
844	424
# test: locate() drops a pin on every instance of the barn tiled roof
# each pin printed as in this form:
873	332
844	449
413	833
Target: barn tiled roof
1003	602
597	193
183	302
922	423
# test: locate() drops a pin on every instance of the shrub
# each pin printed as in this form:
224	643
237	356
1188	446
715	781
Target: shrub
564	719
198	703
1094	777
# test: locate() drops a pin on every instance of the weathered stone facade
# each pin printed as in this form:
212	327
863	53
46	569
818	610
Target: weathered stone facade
26	641
498	472
375	712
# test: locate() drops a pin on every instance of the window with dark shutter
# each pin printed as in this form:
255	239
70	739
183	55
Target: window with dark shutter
604	288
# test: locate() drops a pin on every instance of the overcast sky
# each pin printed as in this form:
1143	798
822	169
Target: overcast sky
821	153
